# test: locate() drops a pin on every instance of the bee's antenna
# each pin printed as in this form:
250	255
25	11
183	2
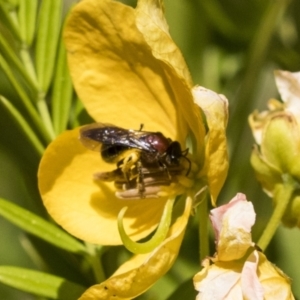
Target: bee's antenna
141	127
184	154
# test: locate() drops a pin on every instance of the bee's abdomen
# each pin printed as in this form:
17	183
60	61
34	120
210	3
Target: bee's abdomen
113	153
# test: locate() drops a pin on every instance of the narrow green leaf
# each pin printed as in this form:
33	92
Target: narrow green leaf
8	17
40	284
49	27
12	3
25	100
27	20
62	92
24	126
27	14
39	227
14	61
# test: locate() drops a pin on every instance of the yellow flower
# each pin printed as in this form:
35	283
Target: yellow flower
238	270
127	71
277	135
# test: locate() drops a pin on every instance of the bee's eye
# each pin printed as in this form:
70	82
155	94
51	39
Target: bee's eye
173	153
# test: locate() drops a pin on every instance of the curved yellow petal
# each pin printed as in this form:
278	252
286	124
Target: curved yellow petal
86	209
151	22
114	71
190	113
143	270
215	108
275	283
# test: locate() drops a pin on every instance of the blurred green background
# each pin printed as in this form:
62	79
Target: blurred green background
231	47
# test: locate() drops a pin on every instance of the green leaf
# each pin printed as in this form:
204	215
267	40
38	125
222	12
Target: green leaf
27	20
62	92
8	17
39	227
40	284
30	134
49	27
34	116
14	61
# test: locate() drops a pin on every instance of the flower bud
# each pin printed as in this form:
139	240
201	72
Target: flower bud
275	156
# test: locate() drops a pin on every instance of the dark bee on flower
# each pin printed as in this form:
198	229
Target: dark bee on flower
143	158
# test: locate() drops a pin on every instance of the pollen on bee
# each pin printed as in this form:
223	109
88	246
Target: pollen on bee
149	180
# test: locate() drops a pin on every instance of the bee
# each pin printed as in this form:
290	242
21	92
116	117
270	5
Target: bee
138	155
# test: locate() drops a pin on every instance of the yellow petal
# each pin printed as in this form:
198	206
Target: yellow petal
189	112
151	21
115	73
275	283
257	122
82	207
143	270
215	108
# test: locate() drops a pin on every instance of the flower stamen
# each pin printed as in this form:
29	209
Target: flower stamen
158	237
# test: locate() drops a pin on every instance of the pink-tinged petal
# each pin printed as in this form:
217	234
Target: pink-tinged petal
232	224
218	281
288	85
252	288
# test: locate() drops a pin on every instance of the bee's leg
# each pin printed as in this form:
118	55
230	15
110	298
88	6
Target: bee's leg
164	166
140	180
128	163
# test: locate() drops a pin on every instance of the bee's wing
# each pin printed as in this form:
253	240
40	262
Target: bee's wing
94	135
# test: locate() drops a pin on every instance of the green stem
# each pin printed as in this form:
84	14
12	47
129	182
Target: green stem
203	228
282	196
256	55
44	112
27	62
244	101
94	258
